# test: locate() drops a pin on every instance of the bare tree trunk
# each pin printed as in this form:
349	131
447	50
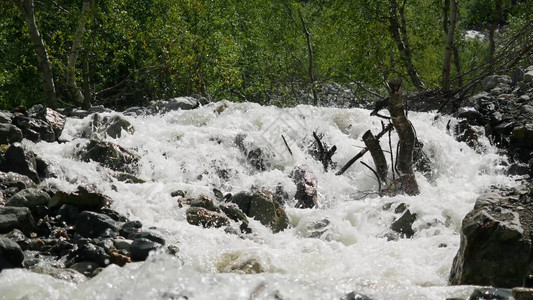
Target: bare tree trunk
399	34
372	144
448	51
311	59
406	135
28	11
86	83
457	63
74	91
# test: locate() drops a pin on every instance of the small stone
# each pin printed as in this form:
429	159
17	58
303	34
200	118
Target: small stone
355	296
141	248
30	198
147	235
200	216
83	198
70	275
16	218
91	224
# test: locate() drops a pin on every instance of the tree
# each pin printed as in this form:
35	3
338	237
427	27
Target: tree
27	9
449	50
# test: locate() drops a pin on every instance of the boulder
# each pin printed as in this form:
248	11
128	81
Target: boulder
91	224
111	126
403	225
11	255
141	248
5	117
491	293
496	240
54	119
82	198
183	103
262	207
200	216
306	188
35	130
254	155
20	182
205	202
234	213
30	198
21	162
16	218
493	81
109	155
523	135
9	134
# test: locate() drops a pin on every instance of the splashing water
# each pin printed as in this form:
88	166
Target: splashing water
194	151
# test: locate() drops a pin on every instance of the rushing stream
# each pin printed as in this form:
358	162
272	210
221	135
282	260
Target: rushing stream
194	151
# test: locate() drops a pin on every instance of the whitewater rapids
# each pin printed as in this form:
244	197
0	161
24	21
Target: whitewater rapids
185	150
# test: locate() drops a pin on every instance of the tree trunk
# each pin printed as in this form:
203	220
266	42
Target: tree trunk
399	34
74	91
448	51
311	59
372	144
406	135
28	11
86	83
458	69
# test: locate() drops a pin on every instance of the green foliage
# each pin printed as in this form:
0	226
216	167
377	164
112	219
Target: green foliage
140	50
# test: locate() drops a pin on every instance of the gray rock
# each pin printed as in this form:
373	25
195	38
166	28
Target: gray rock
21	162
82	198
523	135
154	237
495	240
522	293
254	155
91	224
16	218
491	293
5	117
35	130
306	188
355	296
9	134
110	155
528	76
54	119
526	110
183	103
403	225
493	81
30	198
70	275
111	126
136	111
141	248
11	255
18	181
262	207
93	253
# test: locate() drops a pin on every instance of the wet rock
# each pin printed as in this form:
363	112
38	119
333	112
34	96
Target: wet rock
154	237
355	296
16	218
30	198
317	229
130	227
122	244
205	202
491	294
91	224
15	180
183	103
86	268
403	225
50	116
6	117
200	216
11	255
35	130
518	169
110	155
495	240
306	188
9	134
90	252
141	248
254	155
262	207
111	126
70	275
464	132
136	111
234	213
19	161
473	116
83	198
118	258
128	178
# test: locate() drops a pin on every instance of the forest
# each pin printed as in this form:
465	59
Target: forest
120	53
